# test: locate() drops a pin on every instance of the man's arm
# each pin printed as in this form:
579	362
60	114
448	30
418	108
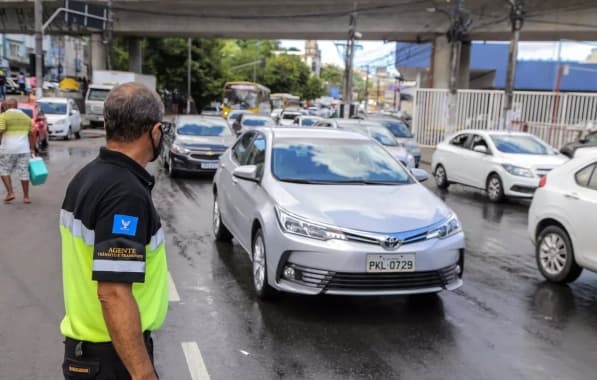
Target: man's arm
31	143
124	325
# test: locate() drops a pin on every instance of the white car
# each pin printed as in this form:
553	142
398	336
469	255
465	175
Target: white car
306	121
287	117
562	220
64	118
505	164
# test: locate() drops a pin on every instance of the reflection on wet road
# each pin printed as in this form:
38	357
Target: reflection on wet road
504	323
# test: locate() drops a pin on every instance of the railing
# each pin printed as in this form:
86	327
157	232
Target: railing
557	118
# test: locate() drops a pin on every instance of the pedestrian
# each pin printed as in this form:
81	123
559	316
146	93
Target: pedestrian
21	81
2	84
16	147
112	238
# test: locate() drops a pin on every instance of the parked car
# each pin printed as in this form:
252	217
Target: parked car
402	132
234	115
562	220
385	138
505	164
287	117
331	212
305	121
251	121
590	140
214	110
64	118
194	143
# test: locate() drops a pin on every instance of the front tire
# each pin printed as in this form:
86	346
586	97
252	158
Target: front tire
69	134
441	178
555	256
78	135
495	188
259	266
219	229
171	170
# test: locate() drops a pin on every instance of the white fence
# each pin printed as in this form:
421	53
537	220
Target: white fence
556	118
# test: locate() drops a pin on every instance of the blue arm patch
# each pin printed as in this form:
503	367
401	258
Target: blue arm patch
125	225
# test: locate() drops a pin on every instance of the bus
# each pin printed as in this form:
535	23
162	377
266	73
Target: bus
248	96
283	101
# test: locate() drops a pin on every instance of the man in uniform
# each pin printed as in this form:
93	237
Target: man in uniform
113	254
16	147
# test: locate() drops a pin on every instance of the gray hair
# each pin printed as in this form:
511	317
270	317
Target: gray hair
130	110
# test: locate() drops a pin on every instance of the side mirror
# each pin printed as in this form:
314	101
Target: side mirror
420	174
480	149
246	172
584	140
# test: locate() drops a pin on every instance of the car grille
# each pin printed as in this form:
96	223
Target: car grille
206	156
328	280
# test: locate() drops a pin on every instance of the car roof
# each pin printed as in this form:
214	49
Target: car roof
493	132
53	100
316	133
204	119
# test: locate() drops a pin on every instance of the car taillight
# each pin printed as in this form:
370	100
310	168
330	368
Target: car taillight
543	181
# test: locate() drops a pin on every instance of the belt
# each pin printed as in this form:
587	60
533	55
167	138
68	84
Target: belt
77	348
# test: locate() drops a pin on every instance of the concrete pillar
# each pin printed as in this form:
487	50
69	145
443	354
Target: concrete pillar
441	62
135	56
98	52
464	76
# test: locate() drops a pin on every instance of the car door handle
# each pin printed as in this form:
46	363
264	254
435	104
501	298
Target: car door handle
572	196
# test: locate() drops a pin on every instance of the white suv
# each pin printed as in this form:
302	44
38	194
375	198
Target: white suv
562	220
505	164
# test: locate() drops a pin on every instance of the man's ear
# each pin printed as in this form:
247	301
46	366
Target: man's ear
155	131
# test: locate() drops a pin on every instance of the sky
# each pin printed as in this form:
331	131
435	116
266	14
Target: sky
371	50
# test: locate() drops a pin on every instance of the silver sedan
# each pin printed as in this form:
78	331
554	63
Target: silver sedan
332	212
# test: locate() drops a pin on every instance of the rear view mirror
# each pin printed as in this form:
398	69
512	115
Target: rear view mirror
480	149
420	174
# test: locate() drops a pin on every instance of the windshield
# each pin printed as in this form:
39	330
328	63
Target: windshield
196	129
592	137
97	94
27	111
241	97
256	122
398	128
335	162
53	108
309	122
516	144
383	136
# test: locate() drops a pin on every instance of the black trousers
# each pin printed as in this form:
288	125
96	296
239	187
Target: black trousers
98	361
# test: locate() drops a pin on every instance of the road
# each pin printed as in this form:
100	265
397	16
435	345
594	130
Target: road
504	323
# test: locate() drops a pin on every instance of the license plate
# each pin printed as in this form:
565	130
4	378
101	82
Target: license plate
391	263
209	165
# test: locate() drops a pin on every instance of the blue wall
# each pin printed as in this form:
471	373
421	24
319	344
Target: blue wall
530	75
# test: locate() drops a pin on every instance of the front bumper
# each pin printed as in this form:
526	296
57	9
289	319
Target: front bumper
520	187
95	118
339	267
55	131
189	164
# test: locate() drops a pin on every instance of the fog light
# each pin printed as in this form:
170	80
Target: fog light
289	273
458	269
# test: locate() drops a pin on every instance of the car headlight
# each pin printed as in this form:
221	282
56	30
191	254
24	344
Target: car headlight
518	171
60	122
179	149
449	228
296	225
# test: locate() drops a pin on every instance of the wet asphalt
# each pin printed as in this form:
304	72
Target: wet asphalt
504	323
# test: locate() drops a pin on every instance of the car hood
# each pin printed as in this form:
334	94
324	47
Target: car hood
54	118
381	209
533	160
191	142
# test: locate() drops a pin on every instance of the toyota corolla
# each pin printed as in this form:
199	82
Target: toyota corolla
332	212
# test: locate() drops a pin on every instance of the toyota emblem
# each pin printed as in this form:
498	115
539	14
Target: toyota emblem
390	243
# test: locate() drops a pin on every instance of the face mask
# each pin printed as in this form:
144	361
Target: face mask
157	150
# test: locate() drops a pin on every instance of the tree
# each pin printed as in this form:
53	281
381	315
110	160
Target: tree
313	89
332	76
286	73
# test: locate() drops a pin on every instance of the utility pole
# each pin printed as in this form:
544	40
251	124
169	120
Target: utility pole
367	89
189	76
459	24
516	19
349	57
39	75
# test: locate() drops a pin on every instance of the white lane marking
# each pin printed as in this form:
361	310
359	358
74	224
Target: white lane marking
172	292
195	361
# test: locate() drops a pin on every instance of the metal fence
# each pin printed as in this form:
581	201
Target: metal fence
556	118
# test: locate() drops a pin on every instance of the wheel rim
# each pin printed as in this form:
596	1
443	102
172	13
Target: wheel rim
216	216
258	263
553	254
440	175
494	188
